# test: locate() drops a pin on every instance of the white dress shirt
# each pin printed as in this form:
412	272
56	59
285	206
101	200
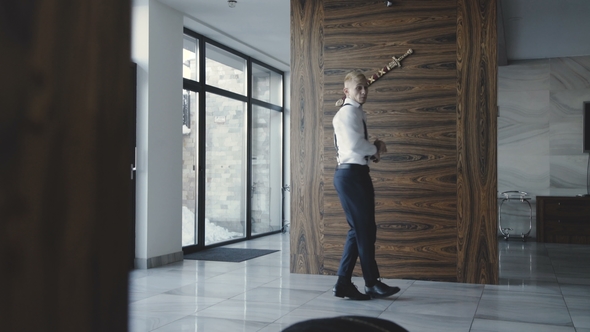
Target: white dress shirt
349	134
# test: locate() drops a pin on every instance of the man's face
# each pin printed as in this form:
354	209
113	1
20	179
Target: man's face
357	90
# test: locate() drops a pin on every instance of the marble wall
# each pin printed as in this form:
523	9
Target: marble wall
540	132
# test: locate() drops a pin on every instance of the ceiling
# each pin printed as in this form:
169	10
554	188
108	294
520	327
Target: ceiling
528	29
257	28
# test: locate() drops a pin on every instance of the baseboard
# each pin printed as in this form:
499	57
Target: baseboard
149	263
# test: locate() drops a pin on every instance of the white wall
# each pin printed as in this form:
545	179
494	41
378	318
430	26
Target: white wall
157	50
157	32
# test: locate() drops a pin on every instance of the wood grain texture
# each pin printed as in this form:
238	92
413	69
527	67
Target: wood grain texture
477	245
64	171
307	184
412	109
435	188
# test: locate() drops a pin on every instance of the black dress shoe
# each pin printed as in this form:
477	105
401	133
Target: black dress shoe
350	291
380	290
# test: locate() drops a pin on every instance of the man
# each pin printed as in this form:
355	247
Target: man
355	190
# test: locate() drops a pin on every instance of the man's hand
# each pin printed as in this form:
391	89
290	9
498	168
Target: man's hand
381	148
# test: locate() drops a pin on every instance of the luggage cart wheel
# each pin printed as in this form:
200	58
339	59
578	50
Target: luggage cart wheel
506	233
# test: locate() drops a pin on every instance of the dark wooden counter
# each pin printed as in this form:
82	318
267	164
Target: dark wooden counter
563	219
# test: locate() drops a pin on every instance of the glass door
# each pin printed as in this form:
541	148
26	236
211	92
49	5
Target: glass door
190	140
225	170
266	150
190	180
265	188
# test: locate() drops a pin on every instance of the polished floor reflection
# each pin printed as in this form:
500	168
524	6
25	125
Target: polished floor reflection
543	287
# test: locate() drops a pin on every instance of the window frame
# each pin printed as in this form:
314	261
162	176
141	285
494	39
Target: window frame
202	88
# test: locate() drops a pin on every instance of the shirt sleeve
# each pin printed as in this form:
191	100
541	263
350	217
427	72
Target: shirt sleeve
350	136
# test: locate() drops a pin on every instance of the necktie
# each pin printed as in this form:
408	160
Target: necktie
366	135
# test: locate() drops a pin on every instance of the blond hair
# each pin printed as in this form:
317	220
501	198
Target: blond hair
354	75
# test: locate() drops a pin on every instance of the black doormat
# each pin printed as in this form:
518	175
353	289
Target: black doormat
228	254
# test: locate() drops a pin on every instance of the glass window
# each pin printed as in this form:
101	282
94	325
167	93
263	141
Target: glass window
267	85
190	54
225	70
232	160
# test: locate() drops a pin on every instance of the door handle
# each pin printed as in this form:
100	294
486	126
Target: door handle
134	165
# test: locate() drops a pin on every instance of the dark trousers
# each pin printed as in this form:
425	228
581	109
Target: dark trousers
357	196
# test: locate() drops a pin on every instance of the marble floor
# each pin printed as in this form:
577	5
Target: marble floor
543	288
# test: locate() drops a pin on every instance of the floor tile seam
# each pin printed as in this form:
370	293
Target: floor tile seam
445	291
235	320
404	291
333	311
518	282
232	320
238	321
519	298
159	309
569	312
476	308
434	317
399	295
173	321
158	291
258	275
462	289
440	298
232	300
290	289
295	286
285	314
570	324
196	313
266	283
561	292
173	277
298	307
225	274
519	321
129	303
204	297
574	296
208	306
280	303
265	264
215	276
130	278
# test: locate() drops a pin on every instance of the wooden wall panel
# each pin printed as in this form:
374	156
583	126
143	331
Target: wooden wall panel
422	219
477	244
65	98
412	109
307	186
